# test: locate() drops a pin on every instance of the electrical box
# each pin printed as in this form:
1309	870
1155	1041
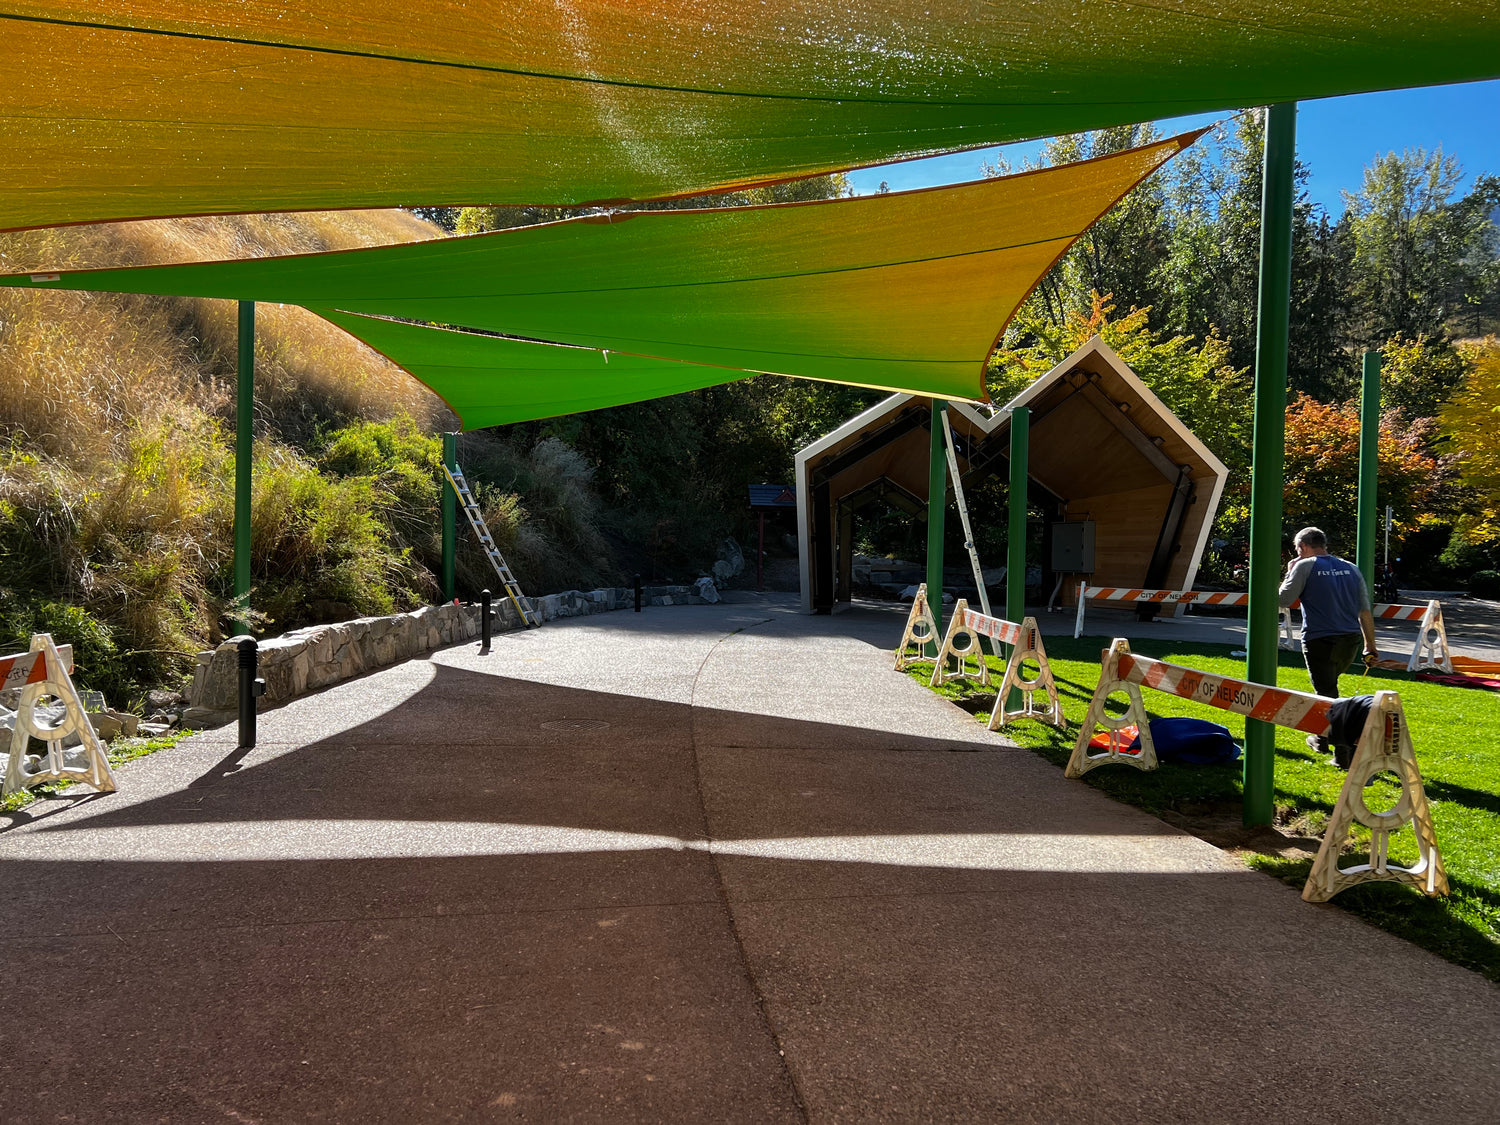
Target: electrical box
1073	547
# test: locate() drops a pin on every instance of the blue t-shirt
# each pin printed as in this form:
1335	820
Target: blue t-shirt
1332	592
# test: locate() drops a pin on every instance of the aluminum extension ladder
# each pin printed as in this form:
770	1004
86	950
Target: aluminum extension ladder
487	541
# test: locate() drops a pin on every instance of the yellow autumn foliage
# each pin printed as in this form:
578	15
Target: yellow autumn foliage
1470	422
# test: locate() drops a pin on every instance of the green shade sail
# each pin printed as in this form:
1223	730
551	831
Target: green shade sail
493	380
904	291
137	108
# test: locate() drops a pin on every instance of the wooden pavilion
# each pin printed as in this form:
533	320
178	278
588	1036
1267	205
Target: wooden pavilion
1129	492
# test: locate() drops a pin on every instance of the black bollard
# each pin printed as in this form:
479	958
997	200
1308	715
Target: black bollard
484	623
638	593
251	688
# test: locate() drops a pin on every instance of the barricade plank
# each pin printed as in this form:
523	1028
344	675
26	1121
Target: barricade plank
1152	597
1282	706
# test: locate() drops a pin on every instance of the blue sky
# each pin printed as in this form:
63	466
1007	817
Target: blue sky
1336	138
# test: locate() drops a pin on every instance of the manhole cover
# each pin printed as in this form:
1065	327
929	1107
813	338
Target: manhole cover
575	724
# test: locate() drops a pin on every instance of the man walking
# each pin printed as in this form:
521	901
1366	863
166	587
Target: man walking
1336	616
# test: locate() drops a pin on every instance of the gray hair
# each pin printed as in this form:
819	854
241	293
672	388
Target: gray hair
1312	537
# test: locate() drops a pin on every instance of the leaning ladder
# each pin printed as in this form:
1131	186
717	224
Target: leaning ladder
486	540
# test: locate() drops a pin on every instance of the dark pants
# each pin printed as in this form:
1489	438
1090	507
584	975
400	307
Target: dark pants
1328	658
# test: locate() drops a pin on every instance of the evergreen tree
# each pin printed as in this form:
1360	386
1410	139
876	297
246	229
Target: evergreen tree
1421	258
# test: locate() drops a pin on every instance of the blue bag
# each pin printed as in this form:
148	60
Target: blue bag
1193	742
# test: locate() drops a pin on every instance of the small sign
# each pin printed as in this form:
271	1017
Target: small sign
772	496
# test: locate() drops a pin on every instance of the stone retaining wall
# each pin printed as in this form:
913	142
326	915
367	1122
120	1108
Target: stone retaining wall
307	659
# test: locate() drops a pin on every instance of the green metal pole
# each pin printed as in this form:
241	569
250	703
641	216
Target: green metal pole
1015	534
244	426
937	509
450	516
1015	541
1267	471
1369	463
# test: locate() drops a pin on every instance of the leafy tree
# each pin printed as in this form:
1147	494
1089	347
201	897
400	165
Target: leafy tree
1471	426
1212	269
1421	258
1322	470
1187	244
1320	359
476	220
1417	376
445	217
1212	275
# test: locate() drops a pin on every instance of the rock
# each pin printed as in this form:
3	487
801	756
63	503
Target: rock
129	724
160	699
105	725
706	590
731	559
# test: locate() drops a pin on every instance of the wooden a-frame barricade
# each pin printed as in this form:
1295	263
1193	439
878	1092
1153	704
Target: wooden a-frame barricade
921	630
1025	641
43	673
1384	745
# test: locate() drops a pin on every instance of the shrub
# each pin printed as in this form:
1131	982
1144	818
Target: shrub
1485	584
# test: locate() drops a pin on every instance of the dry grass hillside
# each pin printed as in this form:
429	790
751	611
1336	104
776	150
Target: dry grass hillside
116	454
76	368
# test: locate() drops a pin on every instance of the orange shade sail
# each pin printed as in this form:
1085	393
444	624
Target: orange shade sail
137	108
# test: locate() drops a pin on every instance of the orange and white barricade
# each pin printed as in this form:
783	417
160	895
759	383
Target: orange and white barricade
43	673
1133	596
921	630
1025	640
1429	654
1384	744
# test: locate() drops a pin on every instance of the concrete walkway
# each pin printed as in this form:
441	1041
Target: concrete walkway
714	864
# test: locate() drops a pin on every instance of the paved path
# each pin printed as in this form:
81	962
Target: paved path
711	864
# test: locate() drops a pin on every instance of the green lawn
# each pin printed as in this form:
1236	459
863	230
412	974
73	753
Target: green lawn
1456	734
